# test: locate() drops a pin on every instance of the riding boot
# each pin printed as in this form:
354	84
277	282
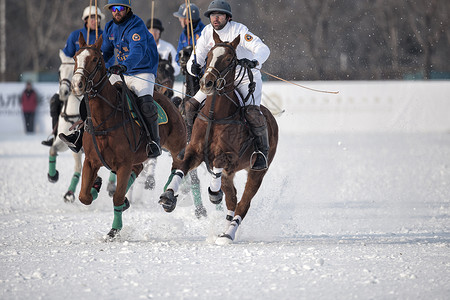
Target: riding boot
74	140
149	112
258	127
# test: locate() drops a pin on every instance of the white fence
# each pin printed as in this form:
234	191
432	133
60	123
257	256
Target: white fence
360	106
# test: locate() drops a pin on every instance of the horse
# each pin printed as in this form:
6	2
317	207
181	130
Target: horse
68	116
221	139
165	77
112	136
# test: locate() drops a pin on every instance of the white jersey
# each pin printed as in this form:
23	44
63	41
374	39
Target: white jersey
250	46
166	48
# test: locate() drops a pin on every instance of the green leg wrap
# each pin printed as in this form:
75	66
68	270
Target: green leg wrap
52	165
74	182
170	179
195	188
131	180
94	194
112	177
118	210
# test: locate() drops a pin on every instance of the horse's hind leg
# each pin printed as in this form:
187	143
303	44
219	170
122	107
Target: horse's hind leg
53	174
200	210
70	194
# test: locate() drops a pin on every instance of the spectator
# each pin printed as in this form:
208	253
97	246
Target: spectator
29	104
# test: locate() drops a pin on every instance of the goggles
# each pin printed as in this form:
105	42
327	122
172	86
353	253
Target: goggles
117	8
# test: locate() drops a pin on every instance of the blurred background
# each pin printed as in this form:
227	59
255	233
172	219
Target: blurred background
309	40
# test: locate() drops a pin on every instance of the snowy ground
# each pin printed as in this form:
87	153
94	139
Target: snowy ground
339	216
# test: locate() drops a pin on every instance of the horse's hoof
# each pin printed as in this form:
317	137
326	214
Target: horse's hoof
97	184
168	201
53	178
215	197
111	188
69	197
150	182
224	239
200	211
112	235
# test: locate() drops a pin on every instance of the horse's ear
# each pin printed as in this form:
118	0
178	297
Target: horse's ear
236	42
81	40
216	38
99	42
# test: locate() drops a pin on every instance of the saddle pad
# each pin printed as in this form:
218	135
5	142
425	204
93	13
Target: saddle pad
162	116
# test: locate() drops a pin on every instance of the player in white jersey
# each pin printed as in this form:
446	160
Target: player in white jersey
251	53
164	48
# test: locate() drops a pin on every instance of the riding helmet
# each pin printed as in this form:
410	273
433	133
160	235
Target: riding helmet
182	12
126	3
219	6
91	11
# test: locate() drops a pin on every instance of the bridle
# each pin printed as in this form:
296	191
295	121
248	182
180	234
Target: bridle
66	81
92	89
220	82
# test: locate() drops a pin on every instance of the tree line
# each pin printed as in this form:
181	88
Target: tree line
309	40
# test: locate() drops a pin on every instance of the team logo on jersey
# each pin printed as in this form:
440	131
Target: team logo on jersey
248	37
136	37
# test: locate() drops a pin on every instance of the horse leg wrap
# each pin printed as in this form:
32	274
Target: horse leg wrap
52	165
95	189
195	188
74	181
232	228
216	181
118	210
131	180
175	181
112	177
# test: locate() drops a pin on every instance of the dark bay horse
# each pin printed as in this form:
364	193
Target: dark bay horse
112	137
222	140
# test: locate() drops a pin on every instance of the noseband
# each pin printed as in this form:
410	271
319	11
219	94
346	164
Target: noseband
220	76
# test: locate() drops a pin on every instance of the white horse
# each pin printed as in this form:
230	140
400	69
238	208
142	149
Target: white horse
69	115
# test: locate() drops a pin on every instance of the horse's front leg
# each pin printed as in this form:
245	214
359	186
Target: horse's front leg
168	199
125	178
90	185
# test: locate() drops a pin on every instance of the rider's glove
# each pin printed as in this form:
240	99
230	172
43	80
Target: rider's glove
246	63
196	69
117	69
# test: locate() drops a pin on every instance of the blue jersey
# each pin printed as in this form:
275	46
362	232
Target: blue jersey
136	48
72	45
184	41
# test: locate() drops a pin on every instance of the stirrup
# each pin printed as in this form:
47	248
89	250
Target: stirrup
151	151
259	165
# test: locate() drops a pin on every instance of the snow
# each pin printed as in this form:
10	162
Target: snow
339	216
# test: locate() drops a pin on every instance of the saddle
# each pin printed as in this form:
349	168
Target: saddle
131	97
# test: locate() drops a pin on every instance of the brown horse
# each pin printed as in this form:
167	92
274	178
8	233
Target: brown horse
165	77
112	137
222	140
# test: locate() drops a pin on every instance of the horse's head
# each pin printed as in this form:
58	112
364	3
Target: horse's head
165	76
65	75
89	67
220	66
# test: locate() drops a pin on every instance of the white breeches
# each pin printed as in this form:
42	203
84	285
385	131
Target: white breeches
141	84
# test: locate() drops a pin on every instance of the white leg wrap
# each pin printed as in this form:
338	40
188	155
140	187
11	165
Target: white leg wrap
216	181
176	182
231	231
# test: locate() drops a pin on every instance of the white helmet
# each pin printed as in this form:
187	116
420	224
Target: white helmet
91	11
